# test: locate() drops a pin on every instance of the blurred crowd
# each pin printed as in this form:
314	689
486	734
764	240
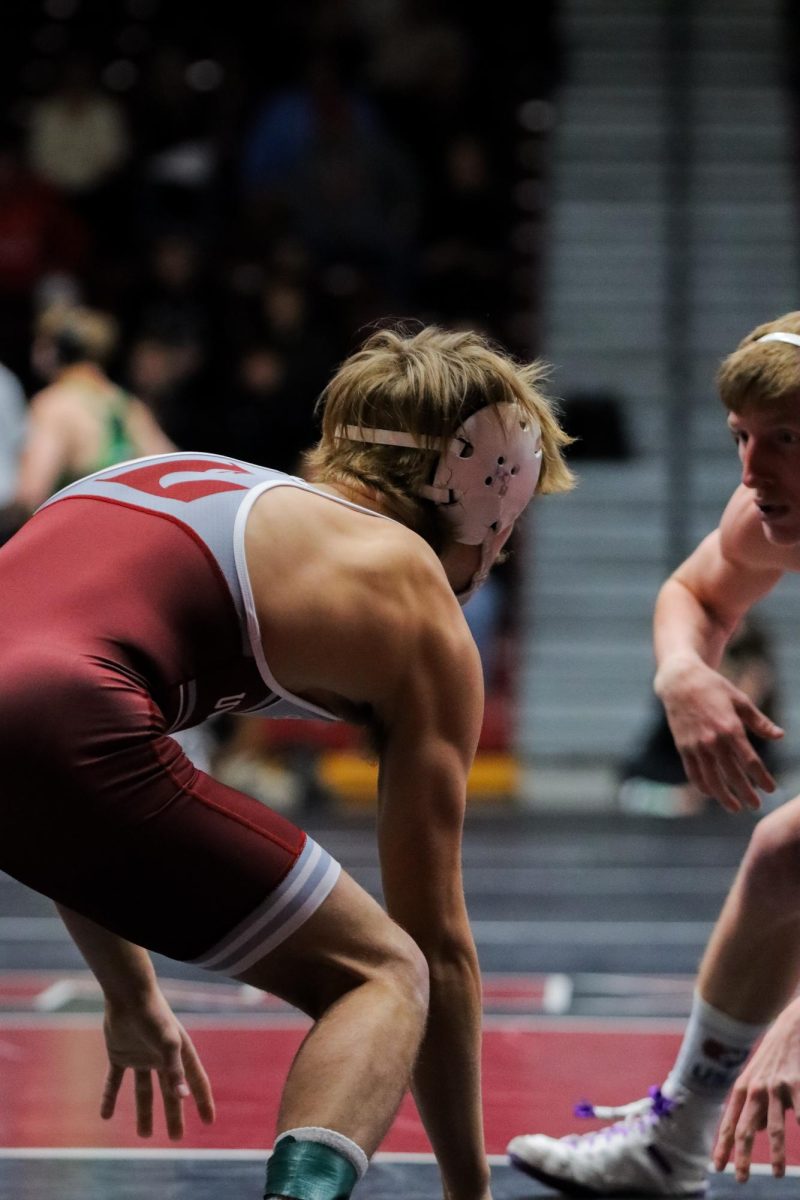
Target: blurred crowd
244	190
203	209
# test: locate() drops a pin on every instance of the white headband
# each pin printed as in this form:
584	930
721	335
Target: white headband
792	338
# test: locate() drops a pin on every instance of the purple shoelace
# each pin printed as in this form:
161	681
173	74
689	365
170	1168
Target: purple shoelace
647	1111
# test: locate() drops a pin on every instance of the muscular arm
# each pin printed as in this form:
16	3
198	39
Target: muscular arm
357	610
433	726
697	611
123	970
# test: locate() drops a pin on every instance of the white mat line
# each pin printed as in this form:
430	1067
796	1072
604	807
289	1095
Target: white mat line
268	1022
507	932
98	1153
592	933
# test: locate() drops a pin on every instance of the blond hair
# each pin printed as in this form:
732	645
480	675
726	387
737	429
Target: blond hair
425	382
762	375
79	333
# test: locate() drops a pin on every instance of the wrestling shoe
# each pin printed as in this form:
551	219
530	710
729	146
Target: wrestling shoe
651	1150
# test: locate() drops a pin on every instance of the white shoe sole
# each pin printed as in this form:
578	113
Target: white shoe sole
571	1188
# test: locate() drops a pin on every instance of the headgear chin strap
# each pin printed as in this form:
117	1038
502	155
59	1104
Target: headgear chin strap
485	477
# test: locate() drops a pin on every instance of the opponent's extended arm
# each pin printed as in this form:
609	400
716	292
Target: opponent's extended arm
697	611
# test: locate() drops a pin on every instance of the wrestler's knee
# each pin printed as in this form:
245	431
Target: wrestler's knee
404	968
771	866
348	943
391	963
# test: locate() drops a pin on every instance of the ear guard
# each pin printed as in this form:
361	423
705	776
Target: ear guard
485	477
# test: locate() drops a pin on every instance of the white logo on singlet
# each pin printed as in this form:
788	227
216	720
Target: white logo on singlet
229	703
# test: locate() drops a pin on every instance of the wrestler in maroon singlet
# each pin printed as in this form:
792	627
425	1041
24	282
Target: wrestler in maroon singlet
123	618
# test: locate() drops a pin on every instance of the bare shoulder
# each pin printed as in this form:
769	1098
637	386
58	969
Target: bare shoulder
51	403
347	601
308	534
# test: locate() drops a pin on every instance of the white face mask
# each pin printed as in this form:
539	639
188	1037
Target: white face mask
484	479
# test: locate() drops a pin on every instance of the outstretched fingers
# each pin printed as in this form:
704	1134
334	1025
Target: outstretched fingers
749	1111
183	1076
180	1076
731	771
727	1129
113	1082
143	1092
776	1132
198	1081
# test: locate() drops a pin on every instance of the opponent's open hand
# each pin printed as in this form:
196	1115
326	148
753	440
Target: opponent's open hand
146	1038
766	1091
710	718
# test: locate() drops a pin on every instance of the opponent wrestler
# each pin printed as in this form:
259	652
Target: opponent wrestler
751	967
152	594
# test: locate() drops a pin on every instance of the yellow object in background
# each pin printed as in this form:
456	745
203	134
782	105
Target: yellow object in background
354	780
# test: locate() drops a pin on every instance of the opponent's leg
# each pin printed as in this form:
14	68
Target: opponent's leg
748	972
365	983
752	961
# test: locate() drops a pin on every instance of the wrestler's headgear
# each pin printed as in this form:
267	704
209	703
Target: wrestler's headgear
484	479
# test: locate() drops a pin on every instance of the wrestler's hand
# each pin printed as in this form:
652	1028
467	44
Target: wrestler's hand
146	1037
767	1089
710	718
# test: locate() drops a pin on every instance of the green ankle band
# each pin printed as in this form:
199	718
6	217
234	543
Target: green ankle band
309	1171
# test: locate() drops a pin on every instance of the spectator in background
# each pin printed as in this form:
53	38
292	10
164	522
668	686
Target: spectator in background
268	418
174	320
81	421
419	68
40	238
176	131
13	420
168	373
317	161
176	294
79	144
285	308
463	267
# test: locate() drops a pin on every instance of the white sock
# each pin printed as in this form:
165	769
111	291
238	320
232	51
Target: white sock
713	1052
